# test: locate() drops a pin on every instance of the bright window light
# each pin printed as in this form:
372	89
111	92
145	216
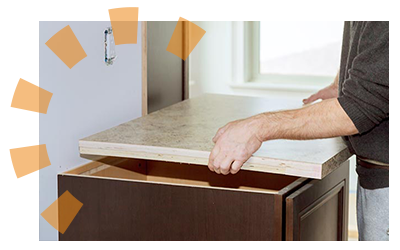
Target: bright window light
300	48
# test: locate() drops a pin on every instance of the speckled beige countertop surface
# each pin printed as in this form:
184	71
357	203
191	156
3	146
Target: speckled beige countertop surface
183	133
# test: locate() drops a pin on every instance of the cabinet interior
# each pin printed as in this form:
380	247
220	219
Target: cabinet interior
182	174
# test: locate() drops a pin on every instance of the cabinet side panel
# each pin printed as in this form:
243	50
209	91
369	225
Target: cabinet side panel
126	210
164	69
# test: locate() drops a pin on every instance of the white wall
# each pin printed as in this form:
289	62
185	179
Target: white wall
211	60
88	98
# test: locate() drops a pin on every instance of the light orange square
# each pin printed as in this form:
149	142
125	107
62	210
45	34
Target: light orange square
124	23
31	97
124	14
29	159
62	212
125	32
67	47
185	38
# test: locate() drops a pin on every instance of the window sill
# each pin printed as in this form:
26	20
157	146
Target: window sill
276	87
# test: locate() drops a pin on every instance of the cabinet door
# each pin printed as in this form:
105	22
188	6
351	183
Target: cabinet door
319	210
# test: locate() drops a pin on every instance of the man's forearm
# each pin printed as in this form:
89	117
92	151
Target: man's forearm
237	141
322	120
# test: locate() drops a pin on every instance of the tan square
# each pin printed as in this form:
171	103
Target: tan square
62	212
67	47
185	38
124	22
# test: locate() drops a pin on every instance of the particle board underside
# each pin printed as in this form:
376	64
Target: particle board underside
183	133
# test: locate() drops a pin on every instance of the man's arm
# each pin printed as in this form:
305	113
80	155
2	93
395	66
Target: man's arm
322	120
237	141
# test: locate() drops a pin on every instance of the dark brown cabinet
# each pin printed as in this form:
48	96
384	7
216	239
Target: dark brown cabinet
128	199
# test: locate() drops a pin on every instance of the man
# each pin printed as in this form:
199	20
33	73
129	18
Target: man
355	106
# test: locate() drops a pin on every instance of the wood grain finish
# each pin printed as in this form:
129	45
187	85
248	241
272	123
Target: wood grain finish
133	200
118	210
182	133
165	82
136	200
319	209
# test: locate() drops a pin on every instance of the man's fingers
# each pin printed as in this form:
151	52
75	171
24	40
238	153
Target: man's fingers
211	159
326	93
216	136
236	166
217	164
210	164
311	99
219	133
225	166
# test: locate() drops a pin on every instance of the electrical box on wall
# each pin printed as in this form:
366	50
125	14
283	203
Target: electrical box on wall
109	47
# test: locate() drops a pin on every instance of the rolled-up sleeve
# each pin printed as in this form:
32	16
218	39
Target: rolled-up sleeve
365	92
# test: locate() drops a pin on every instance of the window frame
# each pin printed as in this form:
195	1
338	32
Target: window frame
252	65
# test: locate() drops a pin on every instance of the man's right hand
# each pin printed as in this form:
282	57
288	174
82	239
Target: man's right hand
326	93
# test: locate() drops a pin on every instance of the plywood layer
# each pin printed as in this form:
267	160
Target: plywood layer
183	133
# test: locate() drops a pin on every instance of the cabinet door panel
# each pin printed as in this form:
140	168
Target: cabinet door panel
319	210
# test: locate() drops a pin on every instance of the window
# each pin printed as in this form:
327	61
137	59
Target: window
306	53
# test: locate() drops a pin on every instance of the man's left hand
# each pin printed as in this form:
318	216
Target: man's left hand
235	143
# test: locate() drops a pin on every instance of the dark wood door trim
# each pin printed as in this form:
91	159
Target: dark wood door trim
312	196
337	190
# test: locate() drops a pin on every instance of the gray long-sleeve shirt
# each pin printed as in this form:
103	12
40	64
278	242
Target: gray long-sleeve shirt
364	90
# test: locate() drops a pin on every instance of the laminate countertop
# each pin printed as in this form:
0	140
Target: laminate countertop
183	133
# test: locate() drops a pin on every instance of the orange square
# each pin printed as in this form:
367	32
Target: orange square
29	159
67	47
124	23
124	14
185	38
62	212
125	32
31	97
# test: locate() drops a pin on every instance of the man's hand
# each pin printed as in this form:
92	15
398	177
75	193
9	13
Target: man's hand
326	93
235	143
